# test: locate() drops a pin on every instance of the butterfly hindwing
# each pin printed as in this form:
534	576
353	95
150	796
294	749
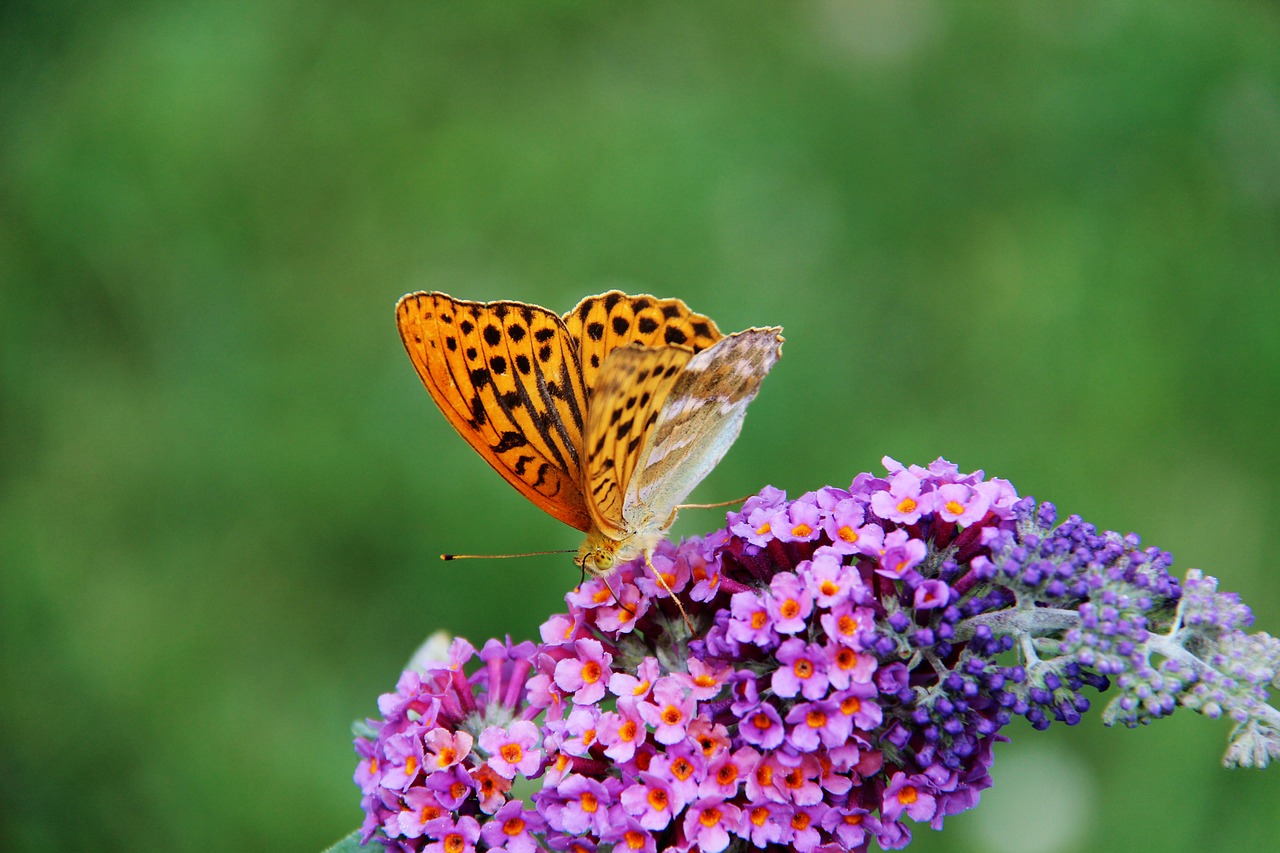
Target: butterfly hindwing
601	324
700	419
506	376
625	404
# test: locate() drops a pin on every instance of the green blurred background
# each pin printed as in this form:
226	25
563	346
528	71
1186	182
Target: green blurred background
1041	239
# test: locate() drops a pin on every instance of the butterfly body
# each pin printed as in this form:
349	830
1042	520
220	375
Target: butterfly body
606	418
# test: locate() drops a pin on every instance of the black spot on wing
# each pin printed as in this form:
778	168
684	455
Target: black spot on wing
646	325
674	336
492	335
509	441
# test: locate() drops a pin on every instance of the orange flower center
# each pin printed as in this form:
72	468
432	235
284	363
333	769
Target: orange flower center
762	722
589	802
512	753
829	587
790	608
759	619
682	769
727	774
800	821
454	843
591	672
759	815
907	505
710	817
513	826
658	800
635	839
671	715
955	507
627	731
411	765
815	719
908	795
801	529
763	529
803	668
850	705
847	534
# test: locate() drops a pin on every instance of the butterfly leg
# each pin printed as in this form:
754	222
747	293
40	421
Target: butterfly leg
733	502
662	582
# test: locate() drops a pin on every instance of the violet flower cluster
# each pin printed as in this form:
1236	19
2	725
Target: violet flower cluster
854	656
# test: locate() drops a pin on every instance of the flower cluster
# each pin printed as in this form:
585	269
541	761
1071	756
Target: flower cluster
853	657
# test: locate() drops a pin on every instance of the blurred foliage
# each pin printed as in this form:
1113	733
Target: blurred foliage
1041	239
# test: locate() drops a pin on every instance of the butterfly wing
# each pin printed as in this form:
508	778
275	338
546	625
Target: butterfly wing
506	376
625	406
698	421
601	324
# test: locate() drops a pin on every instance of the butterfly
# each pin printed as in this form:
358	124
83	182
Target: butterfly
606	417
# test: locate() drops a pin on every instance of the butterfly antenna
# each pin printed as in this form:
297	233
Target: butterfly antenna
734	502
503	556
663	583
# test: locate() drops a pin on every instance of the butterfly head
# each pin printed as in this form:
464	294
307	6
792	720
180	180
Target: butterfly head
600	555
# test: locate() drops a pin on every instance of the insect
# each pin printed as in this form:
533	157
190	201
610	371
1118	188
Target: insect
606	418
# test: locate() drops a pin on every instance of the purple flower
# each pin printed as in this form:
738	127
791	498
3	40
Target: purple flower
901	555
803	670
902	503
512	828
910	794
622	731
930	594
670	711
750	621
453	837
511	750
652	800
578	805
586	674
803	522
814	724
708	823
790	603
960	504
762	726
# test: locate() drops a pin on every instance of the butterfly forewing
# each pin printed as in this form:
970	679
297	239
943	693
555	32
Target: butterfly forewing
506	376
699	420
601	324
626	403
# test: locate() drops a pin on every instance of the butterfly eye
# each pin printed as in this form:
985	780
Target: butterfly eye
603	560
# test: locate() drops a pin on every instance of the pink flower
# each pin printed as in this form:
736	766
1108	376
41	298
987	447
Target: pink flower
511	750
670	712
586	674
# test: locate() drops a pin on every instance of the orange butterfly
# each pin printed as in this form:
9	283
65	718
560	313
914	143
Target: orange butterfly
606	418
